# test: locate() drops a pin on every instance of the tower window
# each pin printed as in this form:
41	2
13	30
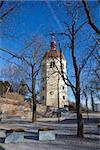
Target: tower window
42	97
63	87
63	97
43	88
52	64
42	79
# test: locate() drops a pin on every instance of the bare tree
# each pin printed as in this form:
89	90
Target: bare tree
72	32
31	60
13	75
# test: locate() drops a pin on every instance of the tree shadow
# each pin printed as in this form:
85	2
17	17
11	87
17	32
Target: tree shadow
31	135
15	121
1	148
85	120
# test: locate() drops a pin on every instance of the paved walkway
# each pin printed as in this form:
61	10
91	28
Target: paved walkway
65	134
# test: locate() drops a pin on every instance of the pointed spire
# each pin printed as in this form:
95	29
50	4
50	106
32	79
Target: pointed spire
53	43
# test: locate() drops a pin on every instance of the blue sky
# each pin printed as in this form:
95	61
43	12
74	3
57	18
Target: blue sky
40	18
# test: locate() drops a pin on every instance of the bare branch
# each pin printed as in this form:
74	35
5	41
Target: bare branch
27	87
19	66
80	26
15	55
62	74
97	58
7	12
86	60
89	17
1	3
64	33
68	27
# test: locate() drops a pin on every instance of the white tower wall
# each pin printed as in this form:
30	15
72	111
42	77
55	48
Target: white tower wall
53	87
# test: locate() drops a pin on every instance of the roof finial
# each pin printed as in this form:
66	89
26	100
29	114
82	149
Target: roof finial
53	43
52	36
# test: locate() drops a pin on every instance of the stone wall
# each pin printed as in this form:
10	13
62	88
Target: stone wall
14	95
13	107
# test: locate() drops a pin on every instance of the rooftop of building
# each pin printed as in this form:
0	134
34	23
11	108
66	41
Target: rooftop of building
53	52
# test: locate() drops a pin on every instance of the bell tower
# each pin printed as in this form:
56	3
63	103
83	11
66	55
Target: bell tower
53	89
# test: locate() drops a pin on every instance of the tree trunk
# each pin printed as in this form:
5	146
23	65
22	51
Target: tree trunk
86	104
92	101
77	96
33	96
58	113
78	109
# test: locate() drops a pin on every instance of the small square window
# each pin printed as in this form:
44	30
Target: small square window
42	97
63	87
51	92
